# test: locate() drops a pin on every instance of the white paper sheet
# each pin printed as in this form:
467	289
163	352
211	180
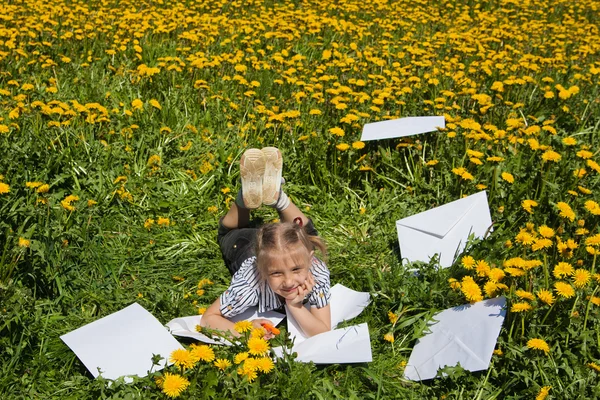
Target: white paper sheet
407	126
340	346
186	326
465	334
345	304
122	343
443	230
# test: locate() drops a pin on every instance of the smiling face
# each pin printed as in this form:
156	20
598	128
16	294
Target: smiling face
287	270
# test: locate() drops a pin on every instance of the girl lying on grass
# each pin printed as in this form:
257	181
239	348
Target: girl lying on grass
275	265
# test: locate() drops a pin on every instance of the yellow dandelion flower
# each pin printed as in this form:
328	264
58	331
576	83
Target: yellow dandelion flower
564	290
393	317
454	284
470	289
153	160
593	240
482	268
496	274
499	352
545	296
565	211
182	358
581	278
257	346
523	294
592	207
137	104
24	242
33	185
358	145
389	337
528	205
538	344
337	131
265	364
550	155
468	262
242	326
508	177
202	352
154	103
521	307
490	288
66	202
562	269
43	188
594	366
258	332
173	385
546	231
240	357
432	163
584	154
222	364
593	165
543	393
342	146
163	221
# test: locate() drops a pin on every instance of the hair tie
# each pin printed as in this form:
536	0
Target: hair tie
298	221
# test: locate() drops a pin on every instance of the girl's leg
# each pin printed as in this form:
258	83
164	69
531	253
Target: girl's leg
237	217
291	212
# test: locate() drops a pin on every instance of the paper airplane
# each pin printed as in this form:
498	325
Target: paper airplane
465	334
122	343
401	127
443	230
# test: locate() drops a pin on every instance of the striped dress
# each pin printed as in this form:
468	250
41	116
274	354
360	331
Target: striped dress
247	289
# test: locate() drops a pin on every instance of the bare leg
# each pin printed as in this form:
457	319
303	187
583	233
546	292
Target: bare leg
236	217
292	212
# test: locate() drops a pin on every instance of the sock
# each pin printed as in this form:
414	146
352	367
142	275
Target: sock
283	201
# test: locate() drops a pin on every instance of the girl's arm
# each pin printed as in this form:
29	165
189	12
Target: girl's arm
313	321
212	318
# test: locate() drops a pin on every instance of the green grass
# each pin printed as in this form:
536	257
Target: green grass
412	59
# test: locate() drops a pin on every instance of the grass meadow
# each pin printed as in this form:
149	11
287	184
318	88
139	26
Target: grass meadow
121	128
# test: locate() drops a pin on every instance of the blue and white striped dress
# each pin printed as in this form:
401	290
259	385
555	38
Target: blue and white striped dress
247	289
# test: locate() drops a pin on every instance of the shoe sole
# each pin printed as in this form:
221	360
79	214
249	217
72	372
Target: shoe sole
252	169
272	175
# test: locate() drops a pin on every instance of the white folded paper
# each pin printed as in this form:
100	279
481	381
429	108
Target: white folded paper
465	334
122	343
186	326
345	304
345	345
401	127
443	230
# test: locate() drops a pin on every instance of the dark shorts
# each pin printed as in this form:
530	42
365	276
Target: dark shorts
237	244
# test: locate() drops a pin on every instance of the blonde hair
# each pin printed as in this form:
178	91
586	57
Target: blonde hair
280	237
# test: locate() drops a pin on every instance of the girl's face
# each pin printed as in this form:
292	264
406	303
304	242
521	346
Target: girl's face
287	270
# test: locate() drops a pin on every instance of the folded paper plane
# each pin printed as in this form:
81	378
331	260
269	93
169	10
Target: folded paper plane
122	343
339	346
444	230
186	326
465	334
407	126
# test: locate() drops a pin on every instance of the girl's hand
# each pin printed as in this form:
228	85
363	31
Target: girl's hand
303	291
258	323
